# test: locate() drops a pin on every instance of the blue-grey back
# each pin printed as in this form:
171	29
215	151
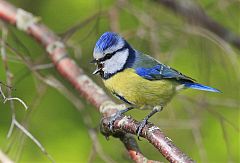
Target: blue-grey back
151	69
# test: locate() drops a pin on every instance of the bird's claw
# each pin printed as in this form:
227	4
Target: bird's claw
113	119
140	128
117	115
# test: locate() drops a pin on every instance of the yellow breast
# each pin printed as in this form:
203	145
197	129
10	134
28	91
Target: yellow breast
139	91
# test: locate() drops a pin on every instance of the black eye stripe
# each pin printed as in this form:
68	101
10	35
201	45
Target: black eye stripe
106	57
109	55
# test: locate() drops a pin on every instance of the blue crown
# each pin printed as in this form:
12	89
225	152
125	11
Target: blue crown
108	39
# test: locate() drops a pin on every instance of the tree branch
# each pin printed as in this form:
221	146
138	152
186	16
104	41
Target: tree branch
194	14
150	132
4	158
87	88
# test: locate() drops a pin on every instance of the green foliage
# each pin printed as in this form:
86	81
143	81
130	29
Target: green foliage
192	117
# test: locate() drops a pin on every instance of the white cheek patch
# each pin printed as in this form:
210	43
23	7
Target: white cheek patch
116	63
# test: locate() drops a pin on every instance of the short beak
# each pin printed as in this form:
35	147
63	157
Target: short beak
96	71
94	61
99	66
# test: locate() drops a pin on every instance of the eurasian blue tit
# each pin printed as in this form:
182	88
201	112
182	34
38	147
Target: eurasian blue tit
136	78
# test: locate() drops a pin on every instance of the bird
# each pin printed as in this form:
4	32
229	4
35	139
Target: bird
136	78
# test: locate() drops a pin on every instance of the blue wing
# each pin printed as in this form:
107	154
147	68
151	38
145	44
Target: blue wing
150	69
162	71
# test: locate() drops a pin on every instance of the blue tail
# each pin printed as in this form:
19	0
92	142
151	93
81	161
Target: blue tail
200	87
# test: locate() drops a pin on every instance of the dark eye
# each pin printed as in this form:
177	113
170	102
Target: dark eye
108	56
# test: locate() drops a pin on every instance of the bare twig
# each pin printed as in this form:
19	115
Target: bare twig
133	149
221	43
147	21
8	77
69	32
8	97
53	82
21	136
196	132
227	142
84	85
17	99
5	99
152	133
26	132
97	147
113	15
43	66
194	14
213	112
4	158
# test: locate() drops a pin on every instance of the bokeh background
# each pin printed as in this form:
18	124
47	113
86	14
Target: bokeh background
204	125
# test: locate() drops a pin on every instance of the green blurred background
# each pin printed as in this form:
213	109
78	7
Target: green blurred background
204	125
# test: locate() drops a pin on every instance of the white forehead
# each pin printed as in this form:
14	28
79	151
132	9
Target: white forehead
117	62
99	53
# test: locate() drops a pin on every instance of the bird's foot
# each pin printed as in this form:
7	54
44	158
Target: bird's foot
145	120
117	115
113	119
140	127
